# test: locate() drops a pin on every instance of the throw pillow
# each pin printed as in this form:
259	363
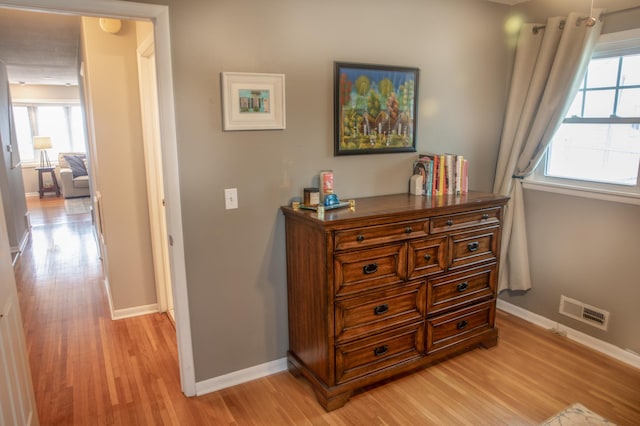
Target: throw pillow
76	162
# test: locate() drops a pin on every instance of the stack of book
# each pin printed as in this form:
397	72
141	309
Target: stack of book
444	174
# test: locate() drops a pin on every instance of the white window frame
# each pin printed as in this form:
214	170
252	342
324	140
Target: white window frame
44	102
613	44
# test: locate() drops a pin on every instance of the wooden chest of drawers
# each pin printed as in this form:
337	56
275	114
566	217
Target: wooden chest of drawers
394	284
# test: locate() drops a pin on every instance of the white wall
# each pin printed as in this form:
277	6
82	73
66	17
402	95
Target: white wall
39	92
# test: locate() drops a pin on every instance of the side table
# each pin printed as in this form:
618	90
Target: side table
54	187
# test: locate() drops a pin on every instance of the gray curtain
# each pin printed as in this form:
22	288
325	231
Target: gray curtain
550	63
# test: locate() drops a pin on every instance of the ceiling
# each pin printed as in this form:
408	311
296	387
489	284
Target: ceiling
40	48
43	48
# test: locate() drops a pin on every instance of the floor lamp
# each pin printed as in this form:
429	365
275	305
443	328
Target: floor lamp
43	143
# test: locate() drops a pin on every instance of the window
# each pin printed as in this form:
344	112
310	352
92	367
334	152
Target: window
62	122
598	144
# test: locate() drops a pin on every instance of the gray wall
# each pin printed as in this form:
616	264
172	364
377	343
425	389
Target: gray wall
585	249
235	259
15	206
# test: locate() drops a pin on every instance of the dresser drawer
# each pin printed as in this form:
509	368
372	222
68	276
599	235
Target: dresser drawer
470	248
369	269
367	356
460	289
379	310
369	288
465	220
449	329
365	237
427	257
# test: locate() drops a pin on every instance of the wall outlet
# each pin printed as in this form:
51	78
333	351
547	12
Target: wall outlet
231	198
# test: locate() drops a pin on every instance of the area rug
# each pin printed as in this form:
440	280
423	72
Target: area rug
77	205
576	415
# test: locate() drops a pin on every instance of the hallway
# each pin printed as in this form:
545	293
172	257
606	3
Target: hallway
87	368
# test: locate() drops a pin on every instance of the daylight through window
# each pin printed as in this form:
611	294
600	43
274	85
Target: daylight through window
63	123
599	139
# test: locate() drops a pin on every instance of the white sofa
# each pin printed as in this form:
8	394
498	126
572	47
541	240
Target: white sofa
74	181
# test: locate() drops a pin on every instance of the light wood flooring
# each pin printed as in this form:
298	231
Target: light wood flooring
90	370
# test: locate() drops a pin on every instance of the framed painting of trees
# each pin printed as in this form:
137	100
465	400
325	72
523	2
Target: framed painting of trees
375	108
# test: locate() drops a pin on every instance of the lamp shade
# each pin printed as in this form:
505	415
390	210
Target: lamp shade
41	142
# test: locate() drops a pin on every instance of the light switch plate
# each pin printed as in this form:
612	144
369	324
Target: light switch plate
231	198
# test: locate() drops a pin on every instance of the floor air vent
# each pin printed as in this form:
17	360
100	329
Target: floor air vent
582	312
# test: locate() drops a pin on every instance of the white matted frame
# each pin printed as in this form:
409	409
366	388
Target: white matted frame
253	101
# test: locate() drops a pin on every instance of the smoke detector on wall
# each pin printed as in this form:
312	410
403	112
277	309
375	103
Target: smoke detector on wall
111	26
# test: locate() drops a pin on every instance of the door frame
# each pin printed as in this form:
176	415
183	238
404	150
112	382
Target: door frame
159	16
153	158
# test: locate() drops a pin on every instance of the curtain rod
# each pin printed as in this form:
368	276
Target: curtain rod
580	20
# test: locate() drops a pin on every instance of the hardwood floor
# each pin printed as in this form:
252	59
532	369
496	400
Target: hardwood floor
90	370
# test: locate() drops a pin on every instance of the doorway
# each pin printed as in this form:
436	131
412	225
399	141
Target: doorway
159	16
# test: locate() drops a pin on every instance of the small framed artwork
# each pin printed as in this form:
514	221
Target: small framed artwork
375	108
253	101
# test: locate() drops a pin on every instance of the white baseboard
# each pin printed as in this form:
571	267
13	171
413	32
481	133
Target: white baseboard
107	288
19	249
25	235
118	314
134	311
241	376
24	239
613	351
252	373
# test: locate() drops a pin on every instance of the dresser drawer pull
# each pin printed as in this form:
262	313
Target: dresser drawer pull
369	269
473	246
381	309
485	216
360	238
408	230
380	350
427	257
449	222
462	324
462	286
